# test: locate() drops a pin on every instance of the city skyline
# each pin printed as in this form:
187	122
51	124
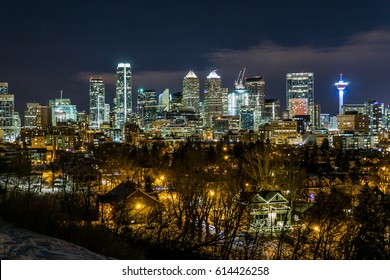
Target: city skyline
49	42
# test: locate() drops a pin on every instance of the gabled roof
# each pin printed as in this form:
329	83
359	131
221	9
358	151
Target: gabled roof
265	197
272	196
118	193
148	199
127	192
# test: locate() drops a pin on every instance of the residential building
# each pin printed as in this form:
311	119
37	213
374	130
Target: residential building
268	211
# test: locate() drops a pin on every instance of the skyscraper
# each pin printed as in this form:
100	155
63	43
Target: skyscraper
299	85
163	100
239	97
7	105
3	87
96	103
147	107
123	107
256	90
272	110
30	115
375	111
191	91
62	111
213	99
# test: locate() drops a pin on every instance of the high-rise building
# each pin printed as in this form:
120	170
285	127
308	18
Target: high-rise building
62	111
30	115
353	123
163	100
176	101
146	107
97	104
298	107
3	87
191	91
238	98
386	117
247	119
315	116
123	99
213	99
375	111
299	85
256	90
272	110
351	108
7	108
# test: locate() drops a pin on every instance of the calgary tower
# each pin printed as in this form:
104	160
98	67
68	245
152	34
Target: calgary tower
341	86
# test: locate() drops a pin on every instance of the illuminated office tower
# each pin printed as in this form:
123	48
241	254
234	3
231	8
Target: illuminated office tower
375	111
256	91
213	99
123	100
271	110
7	105
62	111
298	107
37	116
353	108
3	87
239	97
247	118
147	107
341	86
176	101
191	92
96	103
299	86
163	100
30	115
315	116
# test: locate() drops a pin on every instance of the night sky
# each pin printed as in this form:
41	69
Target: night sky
49	46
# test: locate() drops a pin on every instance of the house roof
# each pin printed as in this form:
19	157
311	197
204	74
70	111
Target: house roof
120	192
264	196
127	192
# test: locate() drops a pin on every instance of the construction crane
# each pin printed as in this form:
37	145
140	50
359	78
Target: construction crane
240	79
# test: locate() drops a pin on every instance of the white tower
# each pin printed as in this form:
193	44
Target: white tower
341	86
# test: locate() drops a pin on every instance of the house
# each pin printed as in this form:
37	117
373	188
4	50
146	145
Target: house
268	211
128	204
